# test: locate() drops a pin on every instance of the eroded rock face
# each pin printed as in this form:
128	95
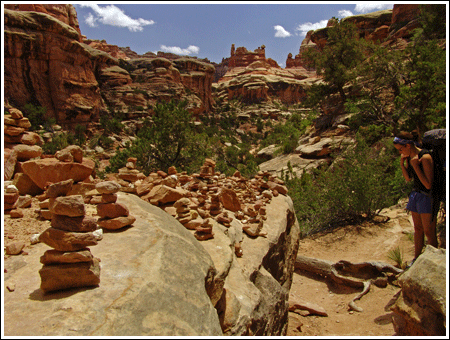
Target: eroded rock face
152	80
65	13
46	63
420	310
259	82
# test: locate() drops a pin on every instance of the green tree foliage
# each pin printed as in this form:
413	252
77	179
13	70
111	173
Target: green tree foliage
377	86
37	117
422	98
337	61
286	134
359	183
168	139
433	21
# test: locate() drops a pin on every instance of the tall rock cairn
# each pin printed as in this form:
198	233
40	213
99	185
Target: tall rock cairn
70	264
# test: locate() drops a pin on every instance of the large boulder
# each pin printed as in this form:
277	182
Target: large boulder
420	310
159	280
155	279
51	170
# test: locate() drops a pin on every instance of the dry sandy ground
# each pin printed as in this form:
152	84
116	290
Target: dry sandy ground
357	244
367	242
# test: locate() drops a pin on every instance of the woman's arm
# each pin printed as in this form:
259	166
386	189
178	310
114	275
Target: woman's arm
425	176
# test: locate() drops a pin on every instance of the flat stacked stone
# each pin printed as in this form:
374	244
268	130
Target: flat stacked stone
204	231
207	169
16	129
113	215
216	206
183	211
224	219
70	264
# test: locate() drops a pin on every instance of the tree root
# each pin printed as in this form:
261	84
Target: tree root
359	275
352	304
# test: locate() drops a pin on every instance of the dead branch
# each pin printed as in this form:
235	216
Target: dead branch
356	275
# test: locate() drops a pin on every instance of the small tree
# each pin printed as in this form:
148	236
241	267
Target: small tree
337	61
422	99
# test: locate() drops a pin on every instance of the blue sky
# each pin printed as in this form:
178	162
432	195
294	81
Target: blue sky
207	29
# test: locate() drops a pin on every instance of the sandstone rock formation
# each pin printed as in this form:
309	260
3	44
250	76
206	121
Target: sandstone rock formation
260	82
47	65
159	280
65	13
420	310
154	79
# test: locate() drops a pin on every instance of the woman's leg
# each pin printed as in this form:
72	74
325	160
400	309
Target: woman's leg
418	234
429	228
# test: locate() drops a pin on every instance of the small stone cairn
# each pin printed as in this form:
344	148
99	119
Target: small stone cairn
113	215
70	264
128	175
207	169
13	201
204	231
16	129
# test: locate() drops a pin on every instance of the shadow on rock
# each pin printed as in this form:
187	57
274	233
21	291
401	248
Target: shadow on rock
39	295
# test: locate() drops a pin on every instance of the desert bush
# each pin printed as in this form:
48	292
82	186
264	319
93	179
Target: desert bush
59	142
37	118
357	186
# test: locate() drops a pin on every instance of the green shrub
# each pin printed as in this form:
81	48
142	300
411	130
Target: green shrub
59	142
80	136
37	118
357	185
119	160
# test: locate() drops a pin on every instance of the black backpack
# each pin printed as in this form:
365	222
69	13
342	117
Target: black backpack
435	141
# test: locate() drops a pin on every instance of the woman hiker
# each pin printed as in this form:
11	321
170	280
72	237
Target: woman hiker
417	165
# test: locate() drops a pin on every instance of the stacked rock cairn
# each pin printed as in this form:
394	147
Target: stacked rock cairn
113	215
70	264
16	129
128	175
13	201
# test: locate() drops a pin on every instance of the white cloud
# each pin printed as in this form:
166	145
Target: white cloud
280	32
90	20
181	51
306	27
114	16
344	13
369	6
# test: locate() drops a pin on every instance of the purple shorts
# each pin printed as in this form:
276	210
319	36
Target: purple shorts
419	203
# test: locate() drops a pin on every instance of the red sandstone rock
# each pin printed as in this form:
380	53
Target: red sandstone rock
54	256
229	200
112	210
51	170
67	205
66	240
104	198
76	224
162	194
116	223
59	189
72	275
14	248
16	213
